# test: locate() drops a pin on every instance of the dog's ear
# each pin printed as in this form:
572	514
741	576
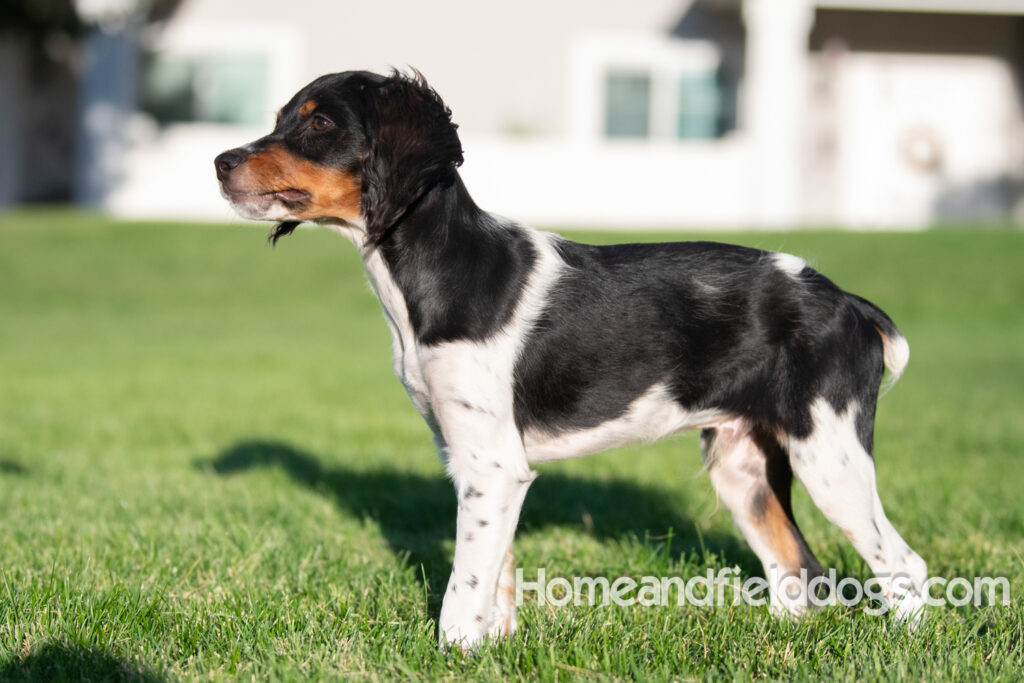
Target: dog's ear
413	145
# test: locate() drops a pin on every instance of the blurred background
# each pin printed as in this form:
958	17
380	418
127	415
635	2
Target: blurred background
575	113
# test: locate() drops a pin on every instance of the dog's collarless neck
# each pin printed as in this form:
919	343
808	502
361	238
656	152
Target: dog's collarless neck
460	270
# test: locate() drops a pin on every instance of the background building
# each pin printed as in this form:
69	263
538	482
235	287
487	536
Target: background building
652	113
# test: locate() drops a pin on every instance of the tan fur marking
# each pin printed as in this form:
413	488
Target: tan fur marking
775	525
333	193
307	107
508	591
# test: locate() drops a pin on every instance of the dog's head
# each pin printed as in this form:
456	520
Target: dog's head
354	146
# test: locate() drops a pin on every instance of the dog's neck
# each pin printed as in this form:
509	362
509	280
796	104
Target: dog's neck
441	209
459	270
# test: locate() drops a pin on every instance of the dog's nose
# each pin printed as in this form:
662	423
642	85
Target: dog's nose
227	161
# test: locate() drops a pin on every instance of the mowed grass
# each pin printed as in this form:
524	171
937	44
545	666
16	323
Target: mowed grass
207	470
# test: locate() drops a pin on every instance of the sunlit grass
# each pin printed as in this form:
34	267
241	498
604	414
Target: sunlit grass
207	468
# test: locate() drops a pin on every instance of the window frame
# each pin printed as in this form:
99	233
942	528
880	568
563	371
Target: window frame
666	60
279	46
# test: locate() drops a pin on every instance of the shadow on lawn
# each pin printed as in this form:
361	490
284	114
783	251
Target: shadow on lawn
62	662
416	514
11	467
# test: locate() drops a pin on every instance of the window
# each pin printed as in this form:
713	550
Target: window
637	105
630	87
211	88
700	104
627	105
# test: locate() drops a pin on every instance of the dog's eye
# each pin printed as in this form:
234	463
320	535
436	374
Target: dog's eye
321	122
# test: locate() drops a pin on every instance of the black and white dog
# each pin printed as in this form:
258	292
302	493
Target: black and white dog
520	347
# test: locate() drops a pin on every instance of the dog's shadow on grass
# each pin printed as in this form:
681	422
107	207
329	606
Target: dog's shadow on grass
65	662
416	514
11	467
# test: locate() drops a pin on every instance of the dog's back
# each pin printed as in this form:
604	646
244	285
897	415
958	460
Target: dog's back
722	327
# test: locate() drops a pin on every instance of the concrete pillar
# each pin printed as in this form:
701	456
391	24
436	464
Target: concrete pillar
774	96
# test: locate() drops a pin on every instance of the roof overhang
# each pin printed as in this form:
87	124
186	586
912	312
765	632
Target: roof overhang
946	6
950	6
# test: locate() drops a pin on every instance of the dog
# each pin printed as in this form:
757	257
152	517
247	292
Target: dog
520	347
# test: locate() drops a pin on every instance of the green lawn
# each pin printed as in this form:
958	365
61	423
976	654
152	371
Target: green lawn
208	470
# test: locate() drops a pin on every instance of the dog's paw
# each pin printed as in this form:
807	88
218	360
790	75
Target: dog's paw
908	609
463	637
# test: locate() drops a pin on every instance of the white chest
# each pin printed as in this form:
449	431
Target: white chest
406	356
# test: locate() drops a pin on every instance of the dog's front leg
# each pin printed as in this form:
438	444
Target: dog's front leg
491	479
486	460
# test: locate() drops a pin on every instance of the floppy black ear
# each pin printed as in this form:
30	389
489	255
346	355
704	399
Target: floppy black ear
413	146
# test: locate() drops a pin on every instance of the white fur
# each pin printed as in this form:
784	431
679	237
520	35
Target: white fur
470	387
405	359
738	470
464	392
653	416
895	354
788	263
839	475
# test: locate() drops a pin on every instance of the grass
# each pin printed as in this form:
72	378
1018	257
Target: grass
207	470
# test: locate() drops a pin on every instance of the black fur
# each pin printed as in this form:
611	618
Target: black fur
722	326
342	98
282	229
461	271
394	131
413	147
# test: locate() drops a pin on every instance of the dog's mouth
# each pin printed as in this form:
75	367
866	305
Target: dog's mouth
291	195
287	196
266	205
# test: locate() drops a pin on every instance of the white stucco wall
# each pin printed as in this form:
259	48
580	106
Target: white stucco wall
517	79
512	75
914	128
501	66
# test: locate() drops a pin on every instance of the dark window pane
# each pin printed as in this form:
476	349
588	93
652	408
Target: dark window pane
214	88
699	107
167	89
627	105
700	104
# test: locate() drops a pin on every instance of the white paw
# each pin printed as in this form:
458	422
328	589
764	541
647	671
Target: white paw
464	636
908	608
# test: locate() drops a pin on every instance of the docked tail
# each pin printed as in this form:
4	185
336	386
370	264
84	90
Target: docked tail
895	349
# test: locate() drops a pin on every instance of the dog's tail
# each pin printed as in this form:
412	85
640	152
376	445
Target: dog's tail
895	349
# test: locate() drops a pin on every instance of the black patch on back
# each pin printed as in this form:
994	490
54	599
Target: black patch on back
720	325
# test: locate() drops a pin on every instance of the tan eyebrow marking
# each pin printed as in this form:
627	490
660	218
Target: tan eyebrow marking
307	107
279	114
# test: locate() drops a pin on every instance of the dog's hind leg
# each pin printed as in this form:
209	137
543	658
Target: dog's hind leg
835	464
752	477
